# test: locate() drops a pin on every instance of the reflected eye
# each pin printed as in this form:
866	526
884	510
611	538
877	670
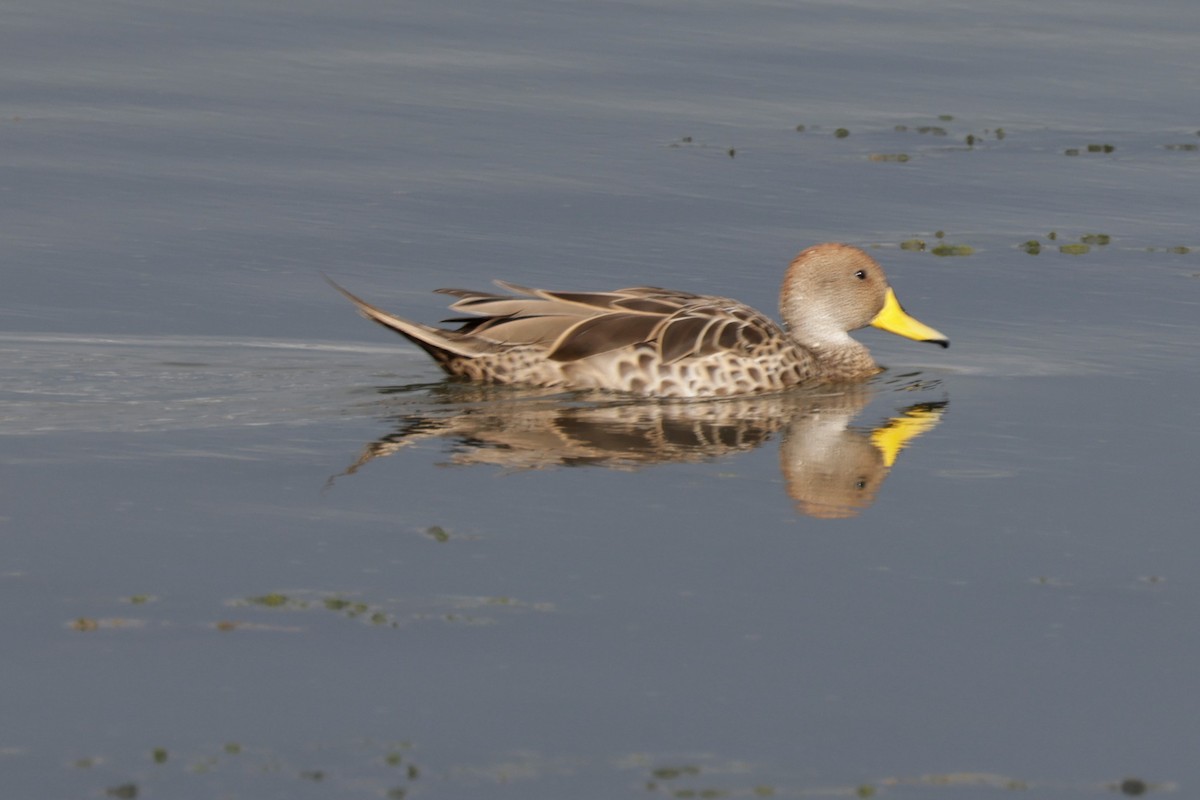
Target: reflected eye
862	276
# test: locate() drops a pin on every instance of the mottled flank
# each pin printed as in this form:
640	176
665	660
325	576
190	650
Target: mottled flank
663	343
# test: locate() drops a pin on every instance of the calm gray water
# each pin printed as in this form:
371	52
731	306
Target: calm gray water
255	547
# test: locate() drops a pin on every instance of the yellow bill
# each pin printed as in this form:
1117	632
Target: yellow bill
895	319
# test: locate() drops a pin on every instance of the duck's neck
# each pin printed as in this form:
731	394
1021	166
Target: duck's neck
838	354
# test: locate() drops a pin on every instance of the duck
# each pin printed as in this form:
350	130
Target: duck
663	343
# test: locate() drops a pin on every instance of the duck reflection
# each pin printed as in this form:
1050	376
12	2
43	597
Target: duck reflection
831	468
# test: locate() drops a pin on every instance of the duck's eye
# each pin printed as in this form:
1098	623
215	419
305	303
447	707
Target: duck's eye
861	275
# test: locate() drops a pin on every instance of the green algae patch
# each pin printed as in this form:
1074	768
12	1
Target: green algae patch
1032	247
1077	249
274	600
1099	239
841	133
159	755
1101	148
932	130
913	244
952	250
1186	147
896	157
1071	151
437	533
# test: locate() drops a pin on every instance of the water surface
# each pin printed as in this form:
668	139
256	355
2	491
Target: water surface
256	547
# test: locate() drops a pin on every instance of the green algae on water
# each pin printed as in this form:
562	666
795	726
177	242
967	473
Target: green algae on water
1074	249
272	600
953	250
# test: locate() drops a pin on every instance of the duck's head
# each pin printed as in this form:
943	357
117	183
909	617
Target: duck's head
831	289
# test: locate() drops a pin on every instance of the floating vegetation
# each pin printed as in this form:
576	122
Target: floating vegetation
1133	787
952	250
141	599
1099	239
945	117
688	141
900	128
898	157
970	140
800	129
437	533
379	616
940	248
1076	249
932	130
274	600
1032	247
89	624
1101	148
391	769
671	773
1071	151
159	755
841	133
1188	146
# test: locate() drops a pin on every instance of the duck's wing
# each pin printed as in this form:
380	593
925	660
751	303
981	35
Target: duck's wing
569	325
679	325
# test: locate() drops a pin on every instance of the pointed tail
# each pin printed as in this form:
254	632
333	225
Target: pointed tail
442	345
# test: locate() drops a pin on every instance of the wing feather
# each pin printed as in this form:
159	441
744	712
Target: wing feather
603	334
